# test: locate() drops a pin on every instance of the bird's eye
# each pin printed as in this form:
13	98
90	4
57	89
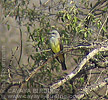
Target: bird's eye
53	33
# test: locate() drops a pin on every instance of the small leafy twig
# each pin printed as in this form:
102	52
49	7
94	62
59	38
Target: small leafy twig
11	59
102	27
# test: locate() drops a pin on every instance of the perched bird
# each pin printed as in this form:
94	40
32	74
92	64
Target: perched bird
56	47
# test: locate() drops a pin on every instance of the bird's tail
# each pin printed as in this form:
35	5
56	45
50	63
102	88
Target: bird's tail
63	66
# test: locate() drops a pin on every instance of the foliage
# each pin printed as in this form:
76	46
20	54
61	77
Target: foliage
78	24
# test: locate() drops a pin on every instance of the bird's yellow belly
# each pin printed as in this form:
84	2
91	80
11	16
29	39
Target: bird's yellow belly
55	45
56	48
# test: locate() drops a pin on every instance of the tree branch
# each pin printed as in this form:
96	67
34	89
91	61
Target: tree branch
80	66
89	89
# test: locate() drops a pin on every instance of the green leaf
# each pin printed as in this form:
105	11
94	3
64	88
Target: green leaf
42	39
8	26
104	29
85	34
68	16
105	9
82	80
82	30
76	61
91	5
89	32
99	24
28	28
70	86
75	19
64	17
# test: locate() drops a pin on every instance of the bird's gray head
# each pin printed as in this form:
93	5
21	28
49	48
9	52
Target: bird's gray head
55	33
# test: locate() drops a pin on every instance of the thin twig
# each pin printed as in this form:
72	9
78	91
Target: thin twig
88	79
20	45
102	27
99	75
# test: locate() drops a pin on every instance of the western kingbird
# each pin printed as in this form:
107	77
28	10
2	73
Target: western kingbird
56	47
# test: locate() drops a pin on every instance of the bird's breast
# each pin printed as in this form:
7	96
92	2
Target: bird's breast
55	44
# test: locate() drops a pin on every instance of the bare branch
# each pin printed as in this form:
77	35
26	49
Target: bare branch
87	90
20	45
80	66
